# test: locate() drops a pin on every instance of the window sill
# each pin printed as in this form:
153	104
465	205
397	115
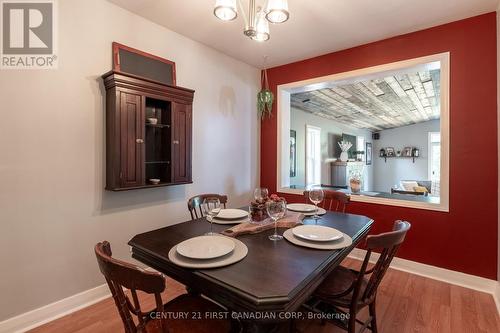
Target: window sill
388	199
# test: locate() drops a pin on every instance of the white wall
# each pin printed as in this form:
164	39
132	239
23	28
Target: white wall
388	174
53	208
298	121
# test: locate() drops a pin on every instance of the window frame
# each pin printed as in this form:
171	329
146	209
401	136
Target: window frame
317	129
283	127
361	139
430	143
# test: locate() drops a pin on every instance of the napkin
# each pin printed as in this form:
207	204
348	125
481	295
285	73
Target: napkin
290	220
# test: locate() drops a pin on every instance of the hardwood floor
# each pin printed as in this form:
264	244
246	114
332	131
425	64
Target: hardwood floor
405	303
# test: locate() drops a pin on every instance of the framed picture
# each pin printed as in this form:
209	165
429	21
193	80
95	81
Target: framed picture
407	151
368	153
352	139
293	153
133	61
389	152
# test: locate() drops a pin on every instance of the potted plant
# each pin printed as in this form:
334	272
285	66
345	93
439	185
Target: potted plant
355	182
344	146
265	99
359	154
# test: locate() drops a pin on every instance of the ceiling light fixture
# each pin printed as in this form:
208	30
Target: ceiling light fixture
257	22
225	10
277	11
261	27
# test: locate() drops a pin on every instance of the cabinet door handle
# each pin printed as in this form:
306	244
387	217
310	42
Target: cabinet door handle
176	142
139	140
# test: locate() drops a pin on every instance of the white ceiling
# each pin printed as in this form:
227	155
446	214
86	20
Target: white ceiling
315	27
377	104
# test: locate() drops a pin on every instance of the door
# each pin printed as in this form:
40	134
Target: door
181	142
131	140
313	155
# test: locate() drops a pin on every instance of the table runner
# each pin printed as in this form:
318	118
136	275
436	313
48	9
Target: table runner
290	220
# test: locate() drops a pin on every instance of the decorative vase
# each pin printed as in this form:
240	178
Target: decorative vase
355	186
343	156
258	212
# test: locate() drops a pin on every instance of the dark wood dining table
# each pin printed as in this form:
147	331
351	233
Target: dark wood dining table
275	278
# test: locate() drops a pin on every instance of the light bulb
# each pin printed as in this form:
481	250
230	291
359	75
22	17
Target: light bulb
225	10
277	11
261	28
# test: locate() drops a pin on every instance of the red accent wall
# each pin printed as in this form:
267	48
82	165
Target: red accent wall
465	239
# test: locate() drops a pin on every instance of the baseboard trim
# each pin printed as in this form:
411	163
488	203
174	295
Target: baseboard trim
29	320
441	274
53	311
496	296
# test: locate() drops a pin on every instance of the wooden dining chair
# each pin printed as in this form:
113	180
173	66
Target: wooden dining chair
354	290
194	204
120	275
334	200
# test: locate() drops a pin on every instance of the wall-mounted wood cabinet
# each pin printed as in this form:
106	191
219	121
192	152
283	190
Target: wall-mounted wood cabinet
148	133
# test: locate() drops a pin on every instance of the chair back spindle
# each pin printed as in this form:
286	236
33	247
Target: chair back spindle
389	243
356	289
333	200
194	204
119	275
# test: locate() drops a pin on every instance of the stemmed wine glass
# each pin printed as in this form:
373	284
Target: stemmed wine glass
276	210
316	195
260	194
211	208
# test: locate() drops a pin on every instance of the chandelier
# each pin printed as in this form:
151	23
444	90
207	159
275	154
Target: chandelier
257	22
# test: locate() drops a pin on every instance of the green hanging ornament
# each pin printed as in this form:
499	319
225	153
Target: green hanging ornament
265	99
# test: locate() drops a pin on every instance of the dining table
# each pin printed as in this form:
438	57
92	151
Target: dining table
265	289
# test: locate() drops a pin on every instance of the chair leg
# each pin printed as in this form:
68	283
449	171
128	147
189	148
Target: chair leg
235	326
373	314
351	328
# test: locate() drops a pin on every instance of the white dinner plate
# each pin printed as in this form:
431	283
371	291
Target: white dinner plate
240	251
333	245
321	211
238	221
317	233
301	208
205	247
232	214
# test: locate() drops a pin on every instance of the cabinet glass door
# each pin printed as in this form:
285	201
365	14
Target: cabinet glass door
158	120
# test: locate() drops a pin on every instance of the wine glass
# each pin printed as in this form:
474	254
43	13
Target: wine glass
276	210
316	195
260	194
211	208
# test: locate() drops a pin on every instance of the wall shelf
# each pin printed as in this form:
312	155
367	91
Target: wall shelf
386	157
157	162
